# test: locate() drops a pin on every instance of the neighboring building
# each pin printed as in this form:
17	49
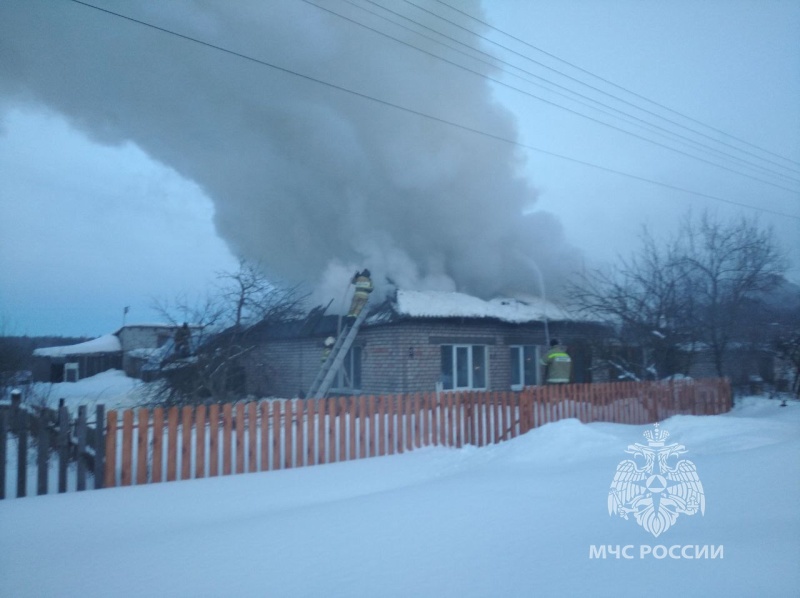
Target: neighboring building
746	364
418	339
126	349
71	363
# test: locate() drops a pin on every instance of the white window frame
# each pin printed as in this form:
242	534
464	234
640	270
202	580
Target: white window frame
469	351
520	357
70	367
345	376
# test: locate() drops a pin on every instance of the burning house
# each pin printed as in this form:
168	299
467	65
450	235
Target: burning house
416	340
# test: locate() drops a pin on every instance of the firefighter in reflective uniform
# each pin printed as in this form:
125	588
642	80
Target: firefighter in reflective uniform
558	364
327	346
363	284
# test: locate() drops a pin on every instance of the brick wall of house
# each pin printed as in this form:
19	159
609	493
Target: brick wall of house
283	368
398	357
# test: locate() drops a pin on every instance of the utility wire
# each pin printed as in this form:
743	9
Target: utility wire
424	115
598	77
686	140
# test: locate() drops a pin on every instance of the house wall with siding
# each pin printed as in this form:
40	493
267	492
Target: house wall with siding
51	369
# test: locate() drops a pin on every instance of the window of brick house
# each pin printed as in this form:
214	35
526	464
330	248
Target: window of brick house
349	376
463	367
525	370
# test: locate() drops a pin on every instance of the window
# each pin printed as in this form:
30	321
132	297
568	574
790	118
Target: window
463	366
71	372
524	366
349	376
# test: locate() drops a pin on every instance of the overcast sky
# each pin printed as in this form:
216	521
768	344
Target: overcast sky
135	163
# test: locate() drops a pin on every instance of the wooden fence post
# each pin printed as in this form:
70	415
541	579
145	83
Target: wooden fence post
342	415
409	423
142	445
172	444
200	442
63	448
110	469
451	426
240	426
300	440
310	407
382	425
496	431
264	436
186	442
22	452
332	446
390	409
3	436
457	399
276	434
42	453
158	445
288	426
227	423
99	446
362	425
437	400
426	418
80	430
321	405
127	447
373	440
252	440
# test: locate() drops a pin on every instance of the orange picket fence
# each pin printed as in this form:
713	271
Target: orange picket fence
160	445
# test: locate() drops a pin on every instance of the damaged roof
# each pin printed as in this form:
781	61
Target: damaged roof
440	304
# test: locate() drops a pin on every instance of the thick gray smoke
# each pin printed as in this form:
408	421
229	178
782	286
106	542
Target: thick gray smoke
312	181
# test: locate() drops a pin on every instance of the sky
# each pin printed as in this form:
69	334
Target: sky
517	518
138	164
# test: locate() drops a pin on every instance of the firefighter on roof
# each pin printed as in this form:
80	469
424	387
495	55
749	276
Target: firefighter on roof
363	284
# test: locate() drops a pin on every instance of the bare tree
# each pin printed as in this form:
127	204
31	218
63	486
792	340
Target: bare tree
642	299
222	332
697	288
729	265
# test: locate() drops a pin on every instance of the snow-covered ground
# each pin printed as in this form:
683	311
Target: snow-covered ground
522	518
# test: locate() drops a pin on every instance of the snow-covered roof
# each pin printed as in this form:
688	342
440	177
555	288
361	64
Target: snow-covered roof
145	353
438	304
108	343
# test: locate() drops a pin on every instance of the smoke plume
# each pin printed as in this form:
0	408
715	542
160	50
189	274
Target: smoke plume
310	180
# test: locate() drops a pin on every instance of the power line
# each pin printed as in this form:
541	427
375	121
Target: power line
598	77
422	114
703	147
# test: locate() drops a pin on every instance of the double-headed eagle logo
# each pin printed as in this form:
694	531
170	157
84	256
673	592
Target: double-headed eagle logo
655	486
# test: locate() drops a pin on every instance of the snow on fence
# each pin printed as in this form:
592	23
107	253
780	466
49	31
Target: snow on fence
47	451
205	441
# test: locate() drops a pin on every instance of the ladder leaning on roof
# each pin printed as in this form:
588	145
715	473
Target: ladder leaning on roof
333	364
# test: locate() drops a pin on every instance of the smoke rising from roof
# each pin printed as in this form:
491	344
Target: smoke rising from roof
311	181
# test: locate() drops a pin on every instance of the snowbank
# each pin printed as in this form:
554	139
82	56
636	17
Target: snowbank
112	388
515	519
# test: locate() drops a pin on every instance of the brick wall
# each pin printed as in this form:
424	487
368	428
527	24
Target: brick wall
398	357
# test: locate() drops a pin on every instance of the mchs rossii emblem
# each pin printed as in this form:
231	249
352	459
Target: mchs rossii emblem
656	486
